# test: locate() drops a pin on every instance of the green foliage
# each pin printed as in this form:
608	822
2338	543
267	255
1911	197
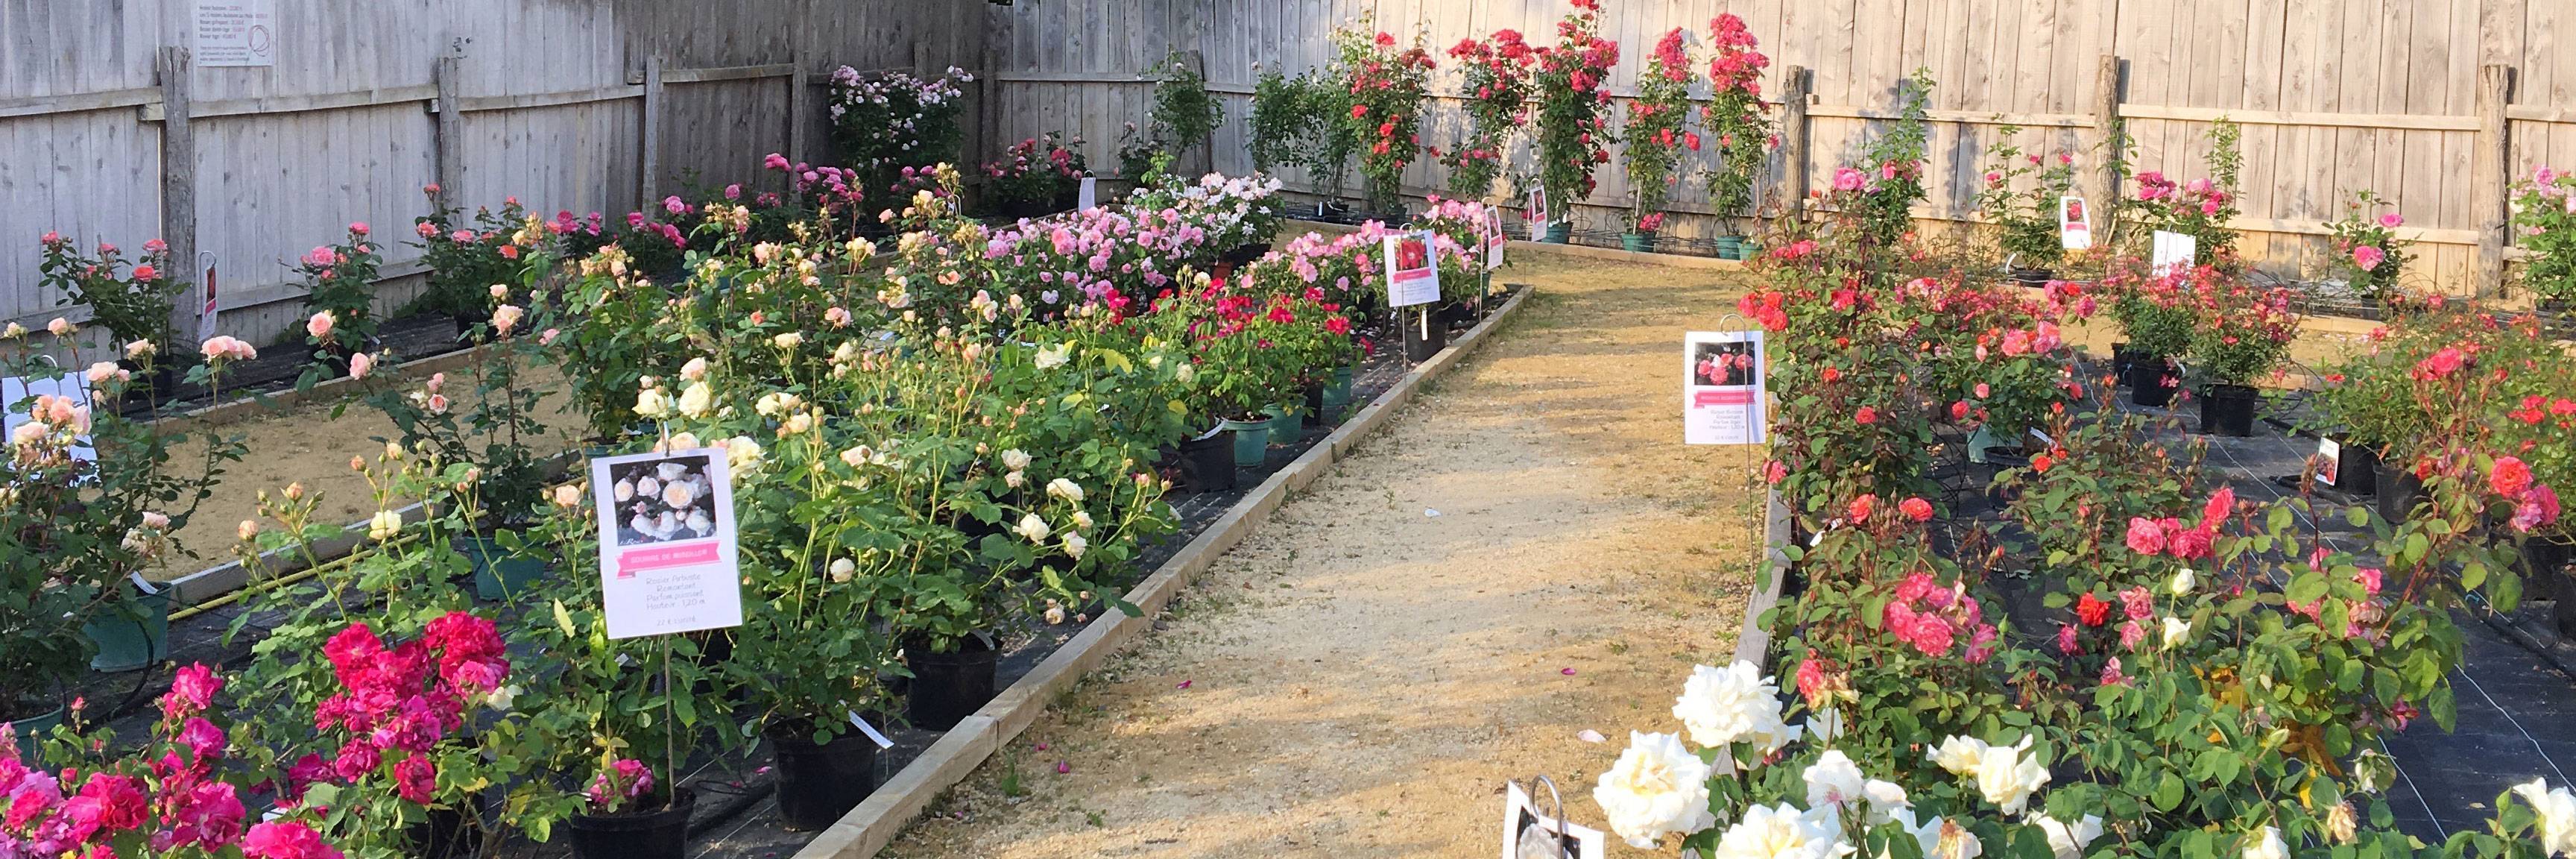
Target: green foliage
2024	213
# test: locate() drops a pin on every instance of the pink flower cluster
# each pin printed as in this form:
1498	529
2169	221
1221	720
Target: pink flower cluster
1933	618
2535	504
1737	65
2167	535
619	785
172	804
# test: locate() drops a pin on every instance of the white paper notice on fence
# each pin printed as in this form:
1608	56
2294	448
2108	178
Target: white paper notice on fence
2074	224
17	395
1723	388
1412	272
1090	195
2329	460
2173	249
1494	238
236	33
667	549
1528	834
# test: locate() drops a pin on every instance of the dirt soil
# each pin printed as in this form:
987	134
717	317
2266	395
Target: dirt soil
304	444
1525	554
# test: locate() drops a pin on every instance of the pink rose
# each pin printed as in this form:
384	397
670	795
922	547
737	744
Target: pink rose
2146	537
2368	257
320	325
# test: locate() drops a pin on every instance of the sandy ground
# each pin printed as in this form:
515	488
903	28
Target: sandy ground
305	444
1361	676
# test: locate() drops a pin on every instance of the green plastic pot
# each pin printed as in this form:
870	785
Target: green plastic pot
1637	243
1285	424
498	575
1251	441
128	643
1558	234
28	729
1729	247
1337	392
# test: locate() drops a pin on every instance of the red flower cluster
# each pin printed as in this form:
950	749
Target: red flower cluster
2161	536
1766	308
1737	66
405	698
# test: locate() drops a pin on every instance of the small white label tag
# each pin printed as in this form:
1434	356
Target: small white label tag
2043	437
871	731
142	584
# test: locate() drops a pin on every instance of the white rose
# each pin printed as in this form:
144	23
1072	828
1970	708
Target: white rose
1014	479
2068	841
2557	812
1075	545
2267	847
1082	518
1940	838
1958	754
1065	489
788	340
384	525
2183	582
1781	832
1886	800
1051	357
697	400
2007	777
501	699
842	569
2177	631
1034	528
1015	459
695	370
1656	787
652	403
1825	725
1735	704
742	453
1833	780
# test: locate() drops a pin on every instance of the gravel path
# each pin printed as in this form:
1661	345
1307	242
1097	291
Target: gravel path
1360	676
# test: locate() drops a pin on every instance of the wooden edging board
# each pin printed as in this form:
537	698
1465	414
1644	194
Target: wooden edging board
875	823
237	409
1752	640
1587	251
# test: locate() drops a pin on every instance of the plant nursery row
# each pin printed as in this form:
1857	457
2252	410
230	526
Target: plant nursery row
929	434
2020	616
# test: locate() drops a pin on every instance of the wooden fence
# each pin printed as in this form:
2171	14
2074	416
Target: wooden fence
110	131
2431	103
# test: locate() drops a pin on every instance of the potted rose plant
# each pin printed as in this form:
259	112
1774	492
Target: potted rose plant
2544	220
1387	89
2241	335
2024	213
133	305
2368	256
1495	76
1657	133
466	257
339	283
2157	315
1737	120
1035	177
1573	85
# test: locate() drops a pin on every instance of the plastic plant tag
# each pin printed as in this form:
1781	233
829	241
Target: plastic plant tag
870	730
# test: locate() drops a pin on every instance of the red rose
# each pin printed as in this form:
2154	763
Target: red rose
1861	507
1916	509
1866	415
2091	611
2510	477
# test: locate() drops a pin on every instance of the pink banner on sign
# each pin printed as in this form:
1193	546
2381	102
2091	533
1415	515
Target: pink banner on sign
663	557
1409	275
1723	397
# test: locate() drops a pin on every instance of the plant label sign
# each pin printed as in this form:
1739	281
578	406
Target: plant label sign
2173	249
1089	198
236	33
2074	224
1494	238
17	397
1527	834
2329	460
1723	388
1537	212
1412	272
667	547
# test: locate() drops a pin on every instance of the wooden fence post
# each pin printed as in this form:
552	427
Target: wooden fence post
179	192
1796	82
800	101
650	178
2112	143
2487	167
449	132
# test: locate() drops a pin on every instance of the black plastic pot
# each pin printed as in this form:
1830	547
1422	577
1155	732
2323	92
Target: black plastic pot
2120	364
1246	254
948	687
1207	462
661	833
2399	491
1457	314
2547	560
1419	346
818	784
2228	410
447	834
2357	470
2033	276
2151	382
